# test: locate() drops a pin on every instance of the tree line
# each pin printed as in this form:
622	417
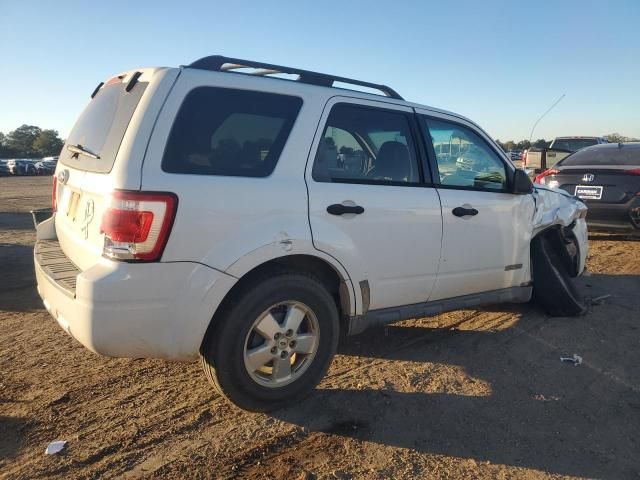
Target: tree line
29	141
511	145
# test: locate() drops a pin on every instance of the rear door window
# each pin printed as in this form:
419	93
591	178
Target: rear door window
366	145
102	126
220	131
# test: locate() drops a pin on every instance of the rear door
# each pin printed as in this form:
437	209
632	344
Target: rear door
369	206
486	229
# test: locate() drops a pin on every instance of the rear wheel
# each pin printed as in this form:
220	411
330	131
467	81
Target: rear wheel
272	342
553	286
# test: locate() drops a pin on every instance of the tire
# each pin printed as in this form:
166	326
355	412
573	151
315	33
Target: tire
237	333
553	287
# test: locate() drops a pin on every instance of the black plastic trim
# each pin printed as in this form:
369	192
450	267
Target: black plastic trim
340	209
132	82
95	91
463	212
215	63
54	263
360	323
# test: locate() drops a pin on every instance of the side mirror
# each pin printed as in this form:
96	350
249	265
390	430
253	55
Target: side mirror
522	183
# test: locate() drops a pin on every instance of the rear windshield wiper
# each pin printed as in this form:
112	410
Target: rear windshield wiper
80	150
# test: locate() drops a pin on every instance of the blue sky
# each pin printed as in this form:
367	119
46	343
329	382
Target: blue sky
501	63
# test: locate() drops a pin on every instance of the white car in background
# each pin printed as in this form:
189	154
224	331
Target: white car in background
21	166
46	166
229	214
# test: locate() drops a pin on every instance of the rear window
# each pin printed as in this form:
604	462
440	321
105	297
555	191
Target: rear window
221	131
102	126
573	144
610	155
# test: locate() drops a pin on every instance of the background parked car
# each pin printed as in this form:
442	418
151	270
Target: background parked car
22	166
607	179
540	159
4	170
46	166
28	166
514	155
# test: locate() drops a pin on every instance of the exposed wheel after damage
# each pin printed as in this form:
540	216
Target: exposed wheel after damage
273	342
553	286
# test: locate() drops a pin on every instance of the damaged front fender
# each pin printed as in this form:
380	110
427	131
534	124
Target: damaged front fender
556	207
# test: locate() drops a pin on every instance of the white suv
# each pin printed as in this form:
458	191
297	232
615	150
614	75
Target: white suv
249	213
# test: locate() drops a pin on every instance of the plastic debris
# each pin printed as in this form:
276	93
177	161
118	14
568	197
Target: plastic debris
599	300
55	447
576	359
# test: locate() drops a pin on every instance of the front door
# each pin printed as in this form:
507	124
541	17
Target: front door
486	229
369	204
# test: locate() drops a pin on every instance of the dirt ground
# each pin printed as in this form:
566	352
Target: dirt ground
468	394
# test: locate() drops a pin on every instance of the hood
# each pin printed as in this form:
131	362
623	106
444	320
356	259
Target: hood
555	207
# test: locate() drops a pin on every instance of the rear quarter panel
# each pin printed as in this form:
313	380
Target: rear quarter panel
221	219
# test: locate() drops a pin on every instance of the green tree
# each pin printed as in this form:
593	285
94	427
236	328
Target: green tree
540	143
4	150
48	143
617	138
21	140
509	145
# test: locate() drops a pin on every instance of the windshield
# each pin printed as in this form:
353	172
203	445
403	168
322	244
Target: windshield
573	144
101	127
605	155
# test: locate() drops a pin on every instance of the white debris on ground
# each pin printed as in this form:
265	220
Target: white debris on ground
576	359
55	447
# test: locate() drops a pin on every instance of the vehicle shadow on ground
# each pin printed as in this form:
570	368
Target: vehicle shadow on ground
16	221
537	412
17	279
12	434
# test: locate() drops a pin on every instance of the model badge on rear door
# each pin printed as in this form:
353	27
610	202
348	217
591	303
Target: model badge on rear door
88	216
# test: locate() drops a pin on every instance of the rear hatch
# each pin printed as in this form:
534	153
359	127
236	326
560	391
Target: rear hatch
102	153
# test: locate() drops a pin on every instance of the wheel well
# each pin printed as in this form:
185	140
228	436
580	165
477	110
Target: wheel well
564	242
309	264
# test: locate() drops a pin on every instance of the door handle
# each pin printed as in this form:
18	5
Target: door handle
340	209
462	211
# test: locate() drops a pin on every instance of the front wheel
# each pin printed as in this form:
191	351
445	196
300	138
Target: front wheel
272	342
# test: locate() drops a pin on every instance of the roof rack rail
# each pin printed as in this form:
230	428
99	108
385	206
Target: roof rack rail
219	63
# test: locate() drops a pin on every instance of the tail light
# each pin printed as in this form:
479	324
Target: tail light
136	225
541	178
635	171
54	194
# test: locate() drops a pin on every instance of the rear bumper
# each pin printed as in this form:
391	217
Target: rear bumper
615	217
158	310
